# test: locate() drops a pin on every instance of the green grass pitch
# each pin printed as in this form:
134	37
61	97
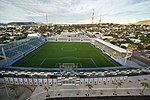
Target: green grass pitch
52	53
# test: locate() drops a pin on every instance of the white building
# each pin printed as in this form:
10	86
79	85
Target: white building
135	40
34	35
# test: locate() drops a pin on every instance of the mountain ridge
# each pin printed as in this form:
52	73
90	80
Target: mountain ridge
143	22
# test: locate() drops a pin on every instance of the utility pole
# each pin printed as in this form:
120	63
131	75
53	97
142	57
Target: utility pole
93	17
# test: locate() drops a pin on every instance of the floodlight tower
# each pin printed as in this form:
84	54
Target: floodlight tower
46	19
93	17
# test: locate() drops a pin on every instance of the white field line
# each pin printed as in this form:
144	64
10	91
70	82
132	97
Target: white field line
105	57
93	62
108	59
76	58
42	62
19	63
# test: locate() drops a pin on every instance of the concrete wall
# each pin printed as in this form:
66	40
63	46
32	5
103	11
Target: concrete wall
54	81
68	39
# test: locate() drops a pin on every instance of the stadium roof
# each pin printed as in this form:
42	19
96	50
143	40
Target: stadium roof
116	48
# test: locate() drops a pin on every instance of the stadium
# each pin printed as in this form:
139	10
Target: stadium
85	52
67	61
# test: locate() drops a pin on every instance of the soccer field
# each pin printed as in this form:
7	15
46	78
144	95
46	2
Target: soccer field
53	53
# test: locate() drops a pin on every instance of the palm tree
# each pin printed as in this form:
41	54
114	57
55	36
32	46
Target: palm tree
145	85
118	84
46	89
90	86
13	87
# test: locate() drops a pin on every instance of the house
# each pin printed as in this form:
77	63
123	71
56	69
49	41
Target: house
34	35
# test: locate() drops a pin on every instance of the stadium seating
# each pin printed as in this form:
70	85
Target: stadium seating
23	48
10	53
14	50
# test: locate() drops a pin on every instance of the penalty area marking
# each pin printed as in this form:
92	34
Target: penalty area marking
113	63
42	62
24	59
91	59
93	62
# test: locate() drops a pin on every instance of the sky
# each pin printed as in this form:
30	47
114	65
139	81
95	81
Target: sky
74	11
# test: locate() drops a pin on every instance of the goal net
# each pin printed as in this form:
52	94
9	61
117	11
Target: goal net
68	66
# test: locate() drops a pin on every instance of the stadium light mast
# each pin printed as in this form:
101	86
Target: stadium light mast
46	19
4	54
93	16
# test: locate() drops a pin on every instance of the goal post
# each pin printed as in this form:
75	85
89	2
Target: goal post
68	67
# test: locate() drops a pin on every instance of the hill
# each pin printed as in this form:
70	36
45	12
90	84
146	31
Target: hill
2	24
21	23
145	22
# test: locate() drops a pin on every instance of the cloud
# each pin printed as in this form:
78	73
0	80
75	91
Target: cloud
72	11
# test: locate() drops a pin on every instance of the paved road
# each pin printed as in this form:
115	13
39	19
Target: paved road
139	56
139	62
22	91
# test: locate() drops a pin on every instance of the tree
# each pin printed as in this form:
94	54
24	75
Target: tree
2	39
146	40
13	87
113	42
145	85
132	47
46	89
124	47
90	86
148	47
140	47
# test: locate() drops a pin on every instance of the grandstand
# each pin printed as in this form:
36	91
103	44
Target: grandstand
16	50
118	54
